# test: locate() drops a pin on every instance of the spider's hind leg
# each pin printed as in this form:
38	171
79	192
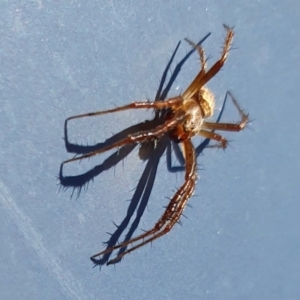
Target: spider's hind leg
229	126
172	212
222	142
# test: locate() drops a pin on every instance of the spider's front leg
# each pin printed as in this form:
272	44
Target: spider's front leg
172	213
201	54
203	77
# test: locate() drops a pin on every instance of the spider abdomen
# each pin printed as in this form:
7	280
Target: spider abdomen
193	120
206	101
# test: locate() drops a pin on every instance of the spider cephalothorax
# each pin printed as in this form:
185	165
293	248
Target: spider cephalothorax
195	110
186	117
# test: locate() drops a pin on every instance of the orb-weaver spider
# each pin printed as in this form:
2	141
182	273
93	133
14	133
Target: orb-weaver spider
185	117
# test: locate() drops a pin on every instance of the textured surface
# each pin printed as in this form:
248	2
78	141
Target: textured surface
60	58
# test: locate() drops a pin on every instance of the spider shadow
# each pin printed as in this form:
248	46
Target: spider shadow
147	152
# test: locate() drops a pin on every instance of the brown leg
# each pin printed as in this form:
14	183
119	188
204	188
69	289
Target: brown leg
172	213
138	137
214	136
170	103
229	126
200	52
201	79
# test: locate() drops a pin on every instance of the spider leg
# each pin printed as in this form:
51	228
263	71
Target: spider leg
202	78
173	211
201	54
169	103
138	137
229	126
214	136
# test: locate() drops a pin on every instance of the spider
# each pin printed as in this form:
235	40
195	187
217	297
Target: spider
184	118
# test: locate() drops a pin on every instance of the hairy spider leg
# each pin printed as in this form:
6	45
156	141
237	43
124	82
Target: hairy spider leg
173	211
222	142
229	126
169	103
200	52
203	77
137	137
224	126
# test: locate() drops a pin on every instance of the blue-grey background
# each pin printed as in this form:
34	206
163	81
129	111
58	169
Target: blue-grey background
240	239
